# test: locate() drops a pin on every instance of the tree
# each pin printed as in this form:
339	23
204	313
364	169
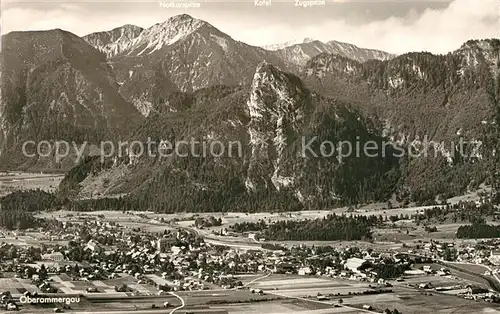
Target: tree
29	271
12	253
449	254
76	269
42	272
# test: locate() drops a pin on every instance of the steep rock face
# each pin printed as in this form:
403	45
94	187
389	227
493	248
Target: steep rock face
278	106
116	41
57	87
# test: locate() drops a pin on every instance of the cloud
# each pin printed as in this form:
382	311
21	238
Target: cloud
435	30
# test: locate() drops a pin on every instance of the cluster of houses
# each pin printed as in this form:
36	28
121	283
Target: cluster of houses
7	303
177	259
482	252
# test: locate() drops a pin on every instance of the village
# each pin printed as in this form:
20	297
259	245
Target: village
102	261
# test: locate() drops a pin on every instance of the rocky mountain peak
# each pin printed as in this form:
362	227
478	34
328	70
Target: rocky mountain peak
482	44
115	41
182	18
359	54
164	34
59	87
136	41
274	47
478	52
300	53
271	87
183	23
326	63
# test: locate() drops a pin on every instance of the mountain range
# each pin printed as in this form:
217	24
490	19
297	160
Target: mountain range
185	78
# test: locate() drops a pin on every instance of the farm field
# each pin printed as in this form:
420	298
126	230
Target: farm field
478	269
308	287
66	285
305	286
415	302
405	299
14	181
435	281
283	307
143	220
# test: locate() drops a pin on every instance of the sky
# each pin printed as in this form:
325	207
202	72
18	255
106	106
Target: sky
393	26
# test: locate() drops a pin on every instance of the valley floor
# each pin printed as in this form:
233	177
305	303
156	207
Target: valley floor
14	181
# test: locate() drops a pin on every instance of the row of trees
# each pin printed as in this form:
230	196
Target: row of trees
464	211
391	270
331	228
17	209
30	201
12	219
478	231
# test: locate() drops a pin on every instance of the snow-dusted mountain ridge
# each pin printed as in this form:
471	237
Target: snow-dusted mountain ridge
135	41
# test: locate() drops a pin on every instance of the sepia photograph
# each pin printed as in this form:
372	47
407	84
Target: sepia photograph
250	156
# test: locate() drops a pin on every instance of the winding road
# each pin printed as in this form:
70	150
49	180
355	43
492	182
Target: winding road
183	304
